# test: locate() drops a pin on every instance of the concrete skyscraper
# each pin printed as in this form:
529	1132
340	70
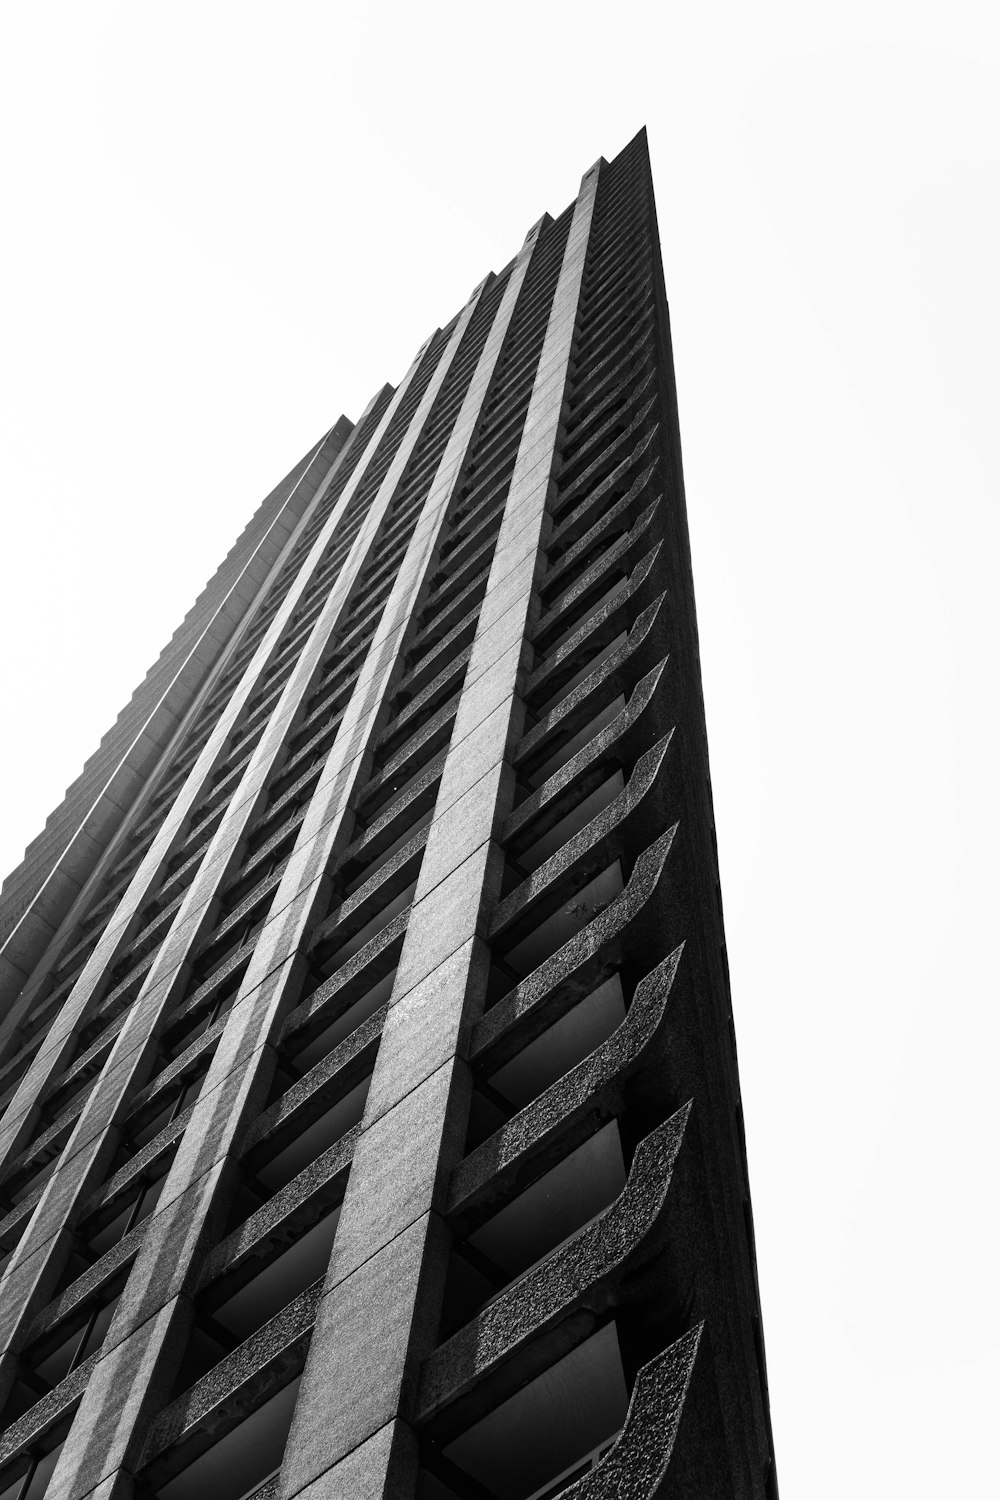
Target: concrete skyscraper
370	1114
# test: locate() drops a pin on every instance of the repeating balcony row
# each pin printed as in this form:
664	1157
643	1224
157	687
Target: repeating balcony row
459	1197
231	921
219	792
176	1446
133	972
565	531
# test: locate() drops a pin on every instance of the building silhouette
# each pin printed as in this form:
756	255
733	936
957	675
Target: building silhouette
371	1122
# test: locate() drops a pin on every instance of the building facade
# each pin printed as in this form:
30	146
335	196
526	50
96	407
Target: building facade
370	1114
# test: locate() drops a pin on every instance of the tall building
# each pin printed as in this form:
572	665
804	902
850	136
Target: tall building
371	1123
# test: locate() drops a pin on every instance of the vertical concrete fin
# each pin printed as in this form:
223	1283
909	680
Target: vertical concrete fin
378	1297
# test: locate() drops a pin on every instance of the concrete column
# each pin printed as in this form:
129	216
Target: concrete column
350	1437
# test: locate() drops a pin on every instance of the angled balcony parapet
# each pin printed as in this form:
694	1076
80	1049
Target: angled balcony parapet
88	1063
232	1389
617	673
328	1080
357	910
434	689
601	425
573	969
417	799
567	1112
534	1317
578	544
613	560
574	519
12	1224
180	1065
53	1406
582	481
45	1141
267	1491
286	1215
339	992
203	994
430	737
596	844
89	1283
636	1465
615	743
596	628
136	1165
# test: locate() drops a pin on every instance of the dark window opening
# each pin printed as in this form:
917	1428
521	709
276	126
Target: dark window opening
129	1210
510	966
561	752
241	1461
551	1210
27	1478
331	961
82	1333
312	1139
162	1110
537	852
572	1038
312	1049
249	1306
541	1440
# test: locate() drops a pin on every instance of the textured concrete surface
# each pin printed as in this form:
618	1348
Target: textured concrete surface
568	1110
463	738
580	1275
637	1464
455	880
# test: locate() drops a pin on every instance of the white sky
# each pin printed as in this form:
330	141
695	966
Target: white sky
228	223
